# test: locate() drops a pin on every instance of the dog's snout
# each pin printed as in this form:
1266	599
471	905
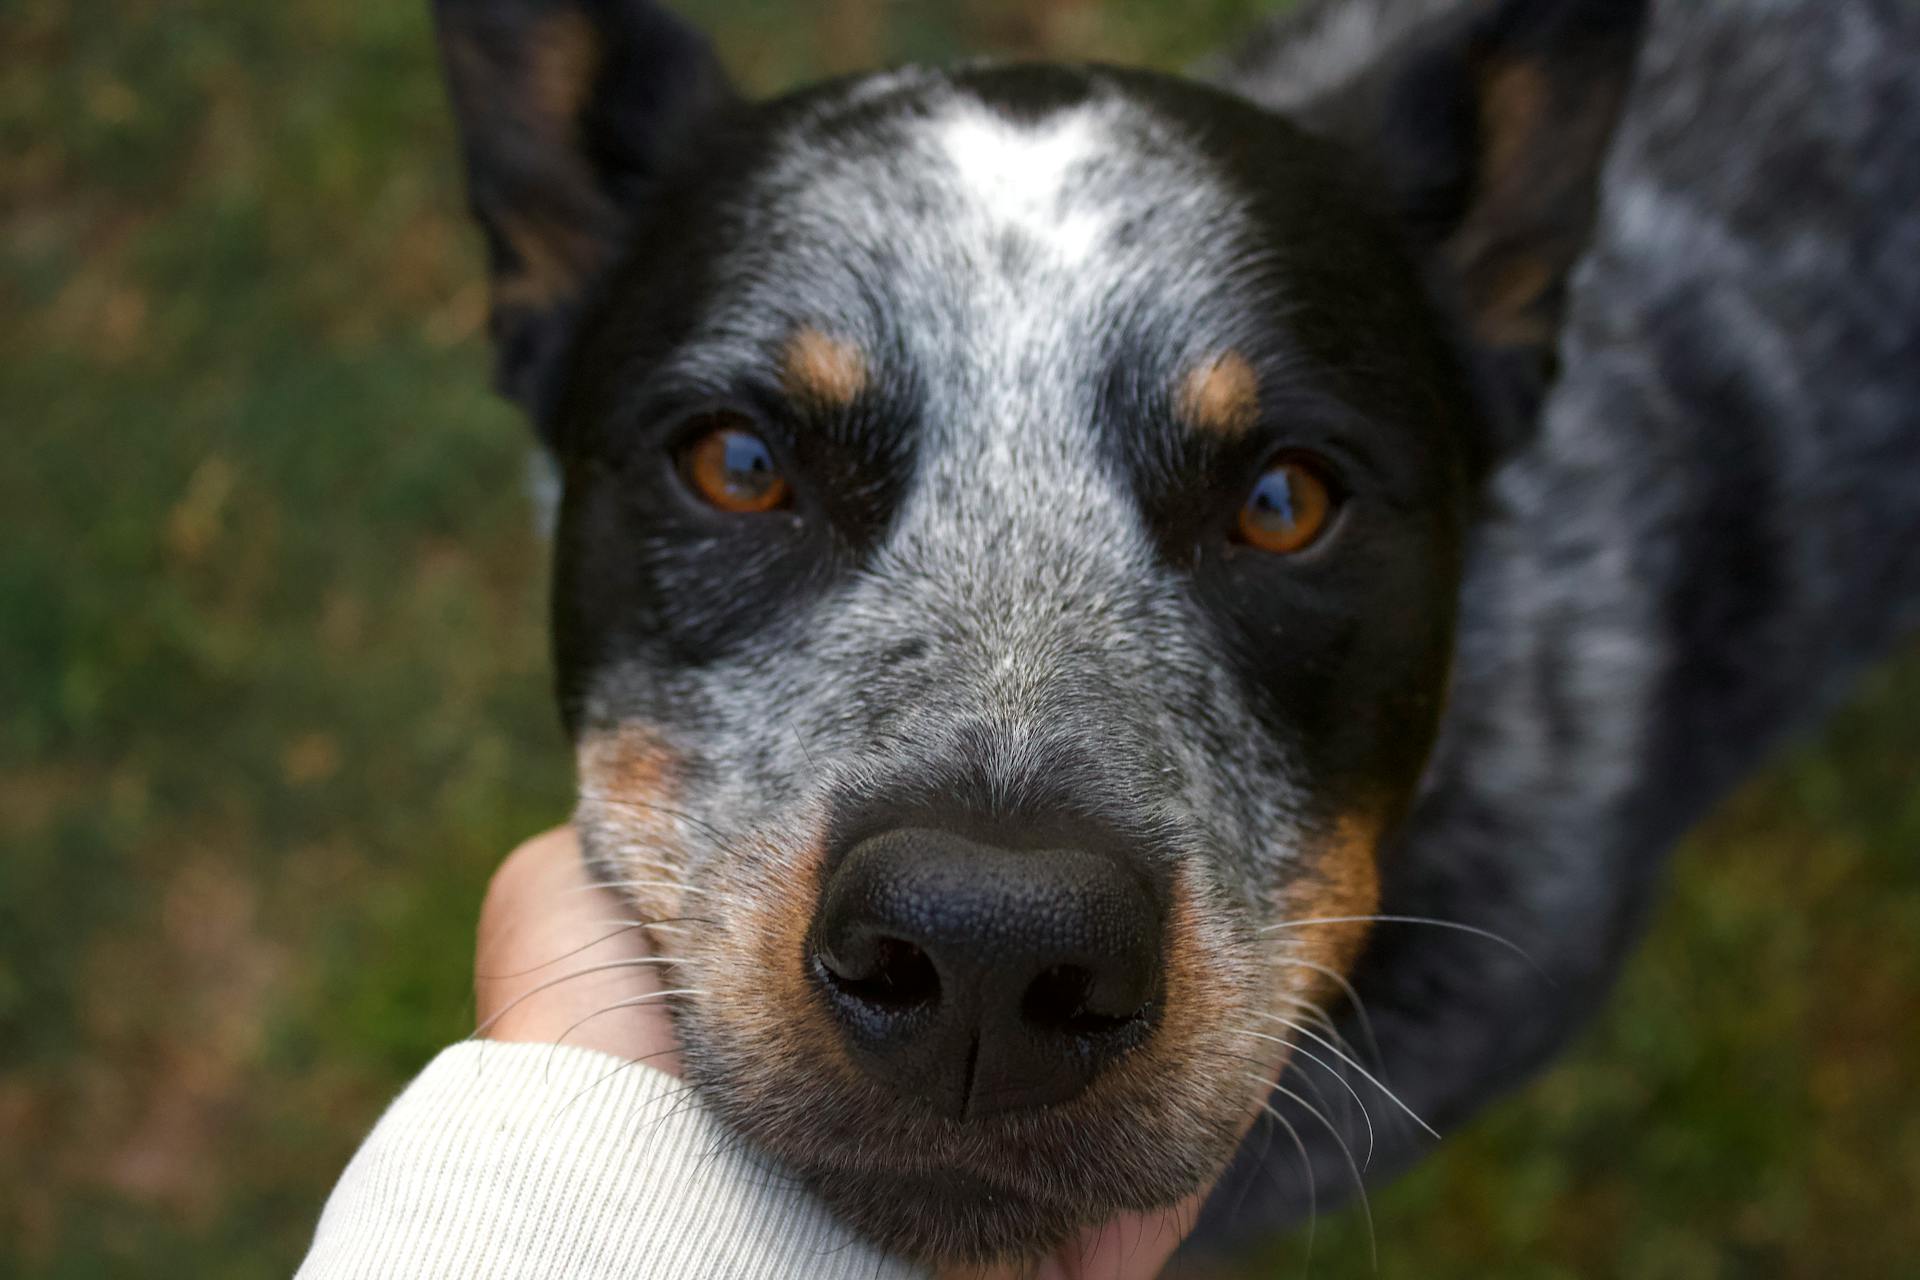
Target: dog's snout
981	979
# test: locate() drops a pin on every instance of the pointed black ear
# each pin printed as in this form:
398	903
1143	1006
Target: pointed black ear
1489	121
567	110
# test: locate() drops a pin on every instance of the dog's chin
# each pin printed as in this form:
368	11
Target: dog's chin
1009	1188
953	1218
1013	1194
1004	1189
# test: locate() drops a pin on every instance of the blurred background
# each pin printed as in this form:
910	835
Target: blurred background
273	698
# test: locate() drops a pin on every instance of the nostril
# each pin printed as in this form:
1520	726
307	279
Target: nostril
897	976
975	979
1059	1000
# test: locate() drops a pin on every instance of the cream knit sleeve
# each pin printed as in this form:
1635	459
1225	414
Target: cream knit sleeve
530	1160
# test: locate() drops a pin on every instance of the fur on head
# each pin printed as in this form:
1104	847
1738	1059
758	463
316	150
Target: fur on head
1018	352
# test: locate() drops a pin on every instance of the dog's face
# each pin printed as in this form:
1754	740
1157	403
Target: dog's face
1006	579
933	512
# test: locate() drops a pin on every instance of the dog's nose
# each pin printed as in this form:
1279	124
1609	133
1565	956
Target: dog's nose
981	979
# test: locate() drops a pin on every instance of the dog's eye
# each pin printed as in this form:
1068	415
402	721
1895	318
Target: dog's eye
731	468
1289	508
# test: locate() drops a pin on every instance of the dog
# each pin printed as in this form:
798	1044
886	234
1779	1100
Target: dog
1066	575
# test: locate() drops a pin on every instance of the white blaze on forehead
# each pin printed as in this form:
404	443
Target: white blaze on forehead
1023	175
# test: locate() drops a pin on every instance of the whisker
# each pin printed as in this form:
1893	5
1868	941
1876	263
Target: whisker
1318	1017
1359	1183
630	1002
661	923
806	751
638	884
1344	1083
1370	1078
1319	1095
731	1142
632	1062
685	1098
1306	1167
624	927
1266	1149
601	797
514	1003
682	1098
627	858
1455	925
1353	998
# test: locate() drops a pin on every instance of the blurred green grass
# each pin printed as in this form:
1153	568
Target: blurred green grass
273	698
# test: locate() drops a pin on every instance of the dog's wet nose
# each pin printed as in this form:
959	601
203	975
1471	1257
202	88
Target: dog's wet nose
982	979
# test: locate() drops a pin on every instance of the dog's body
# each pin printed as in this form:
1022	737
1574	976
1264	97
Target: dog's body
1716	525
1025	531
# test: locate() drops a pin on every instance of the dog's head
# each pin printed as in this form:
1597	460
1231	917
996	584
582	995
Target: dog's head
1006	571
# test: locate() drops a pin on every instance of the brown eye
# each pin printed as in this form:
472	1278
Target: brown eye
732	469
1288	510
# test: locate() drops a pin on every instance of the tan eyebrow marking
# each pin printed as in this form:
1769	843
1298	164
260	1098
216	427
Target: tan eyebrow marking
822	369
1220	395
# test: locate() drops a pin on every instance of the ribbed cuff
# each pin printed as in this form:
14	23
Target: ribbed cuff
524	1160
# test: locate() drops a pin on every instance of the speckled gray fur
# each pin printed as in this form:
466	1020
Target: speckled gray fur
1716	526
1016	636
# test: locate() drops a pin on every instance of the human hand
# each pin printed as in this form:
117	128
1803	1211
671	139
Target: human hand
559	960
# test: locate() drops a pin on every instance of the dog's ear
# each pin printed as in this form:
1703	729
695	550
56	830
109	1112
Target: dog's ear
1489	126
567	111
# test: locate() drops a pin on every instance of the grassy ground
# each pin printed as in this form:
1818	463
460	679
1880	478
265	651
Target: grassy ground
273	699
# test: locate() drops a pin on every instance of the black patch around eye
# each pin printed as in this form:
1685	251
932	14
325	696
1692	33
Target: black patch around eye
1342	660
858	459
646	566
1339	646
644	570
1192	485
